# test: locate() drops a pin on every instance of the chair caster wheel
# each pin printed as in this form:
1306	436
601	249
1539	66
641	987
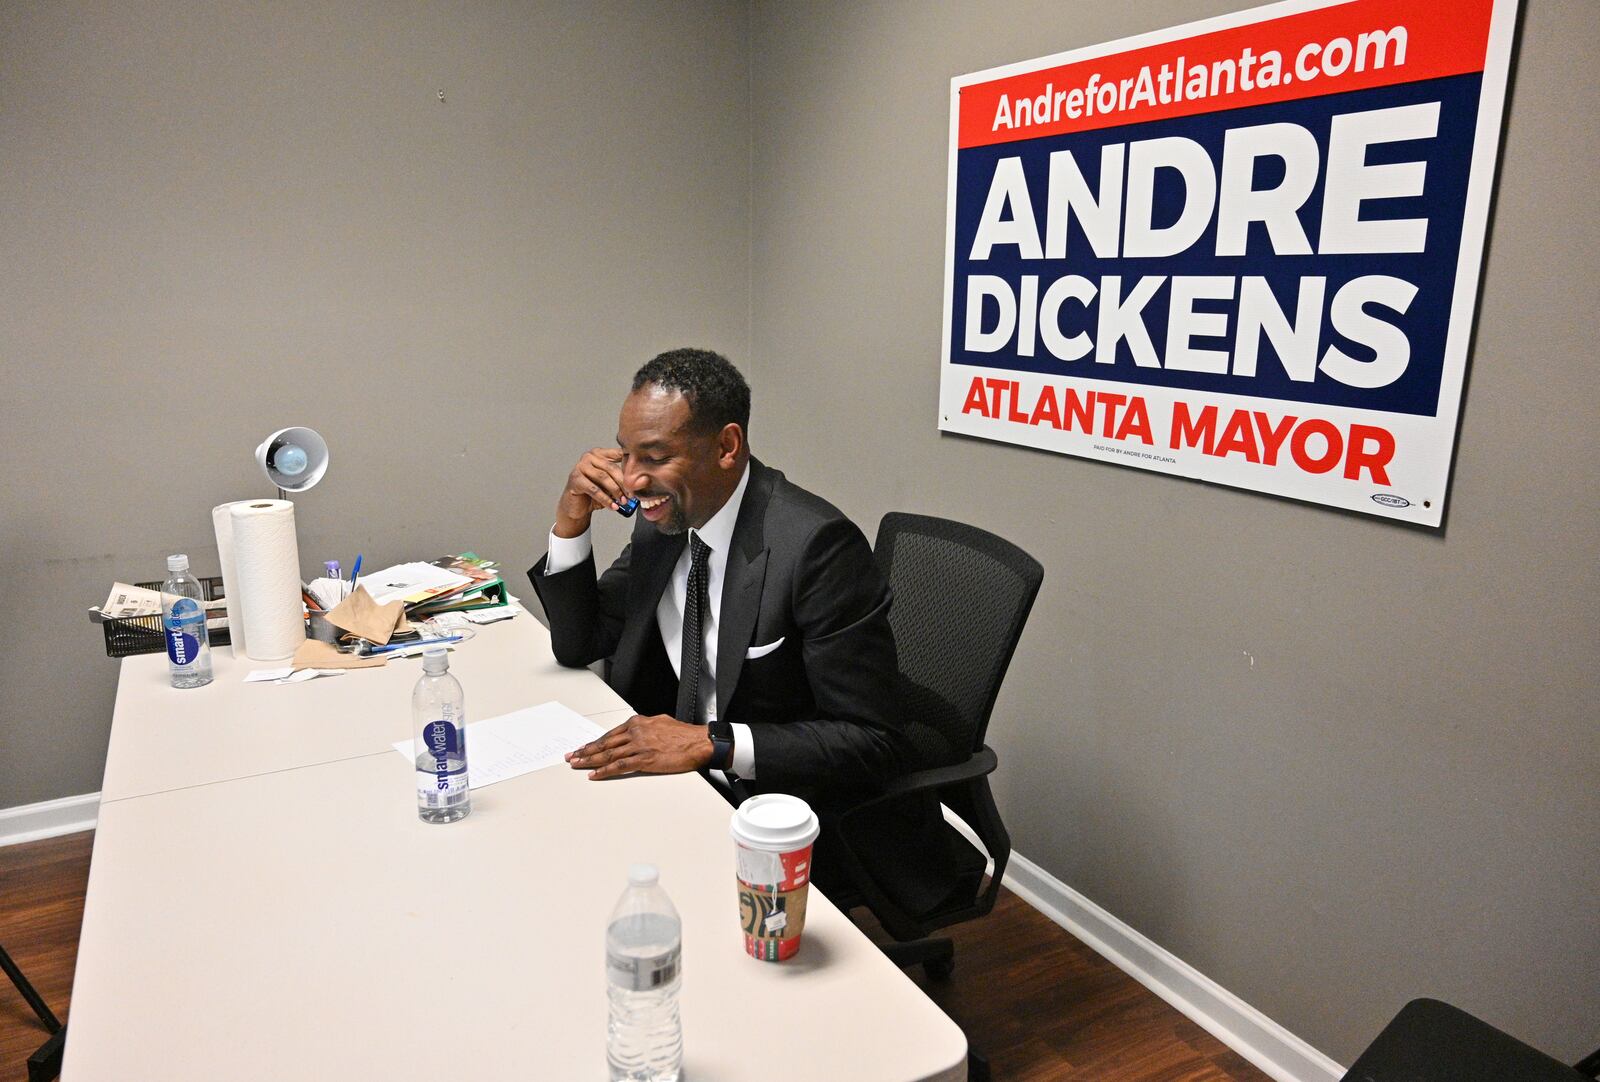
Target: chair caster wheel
939	969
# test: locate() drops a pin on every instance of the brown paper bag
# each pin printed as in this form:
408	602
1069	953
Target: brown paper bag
316	654
365	618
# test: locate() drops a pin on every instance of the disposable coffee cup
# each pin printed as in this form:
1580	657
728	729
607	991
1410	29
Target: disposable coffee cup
772	836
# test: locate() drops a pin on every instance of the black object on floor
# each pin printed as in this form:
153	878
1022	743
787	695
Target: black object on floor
1430	1041
45	1064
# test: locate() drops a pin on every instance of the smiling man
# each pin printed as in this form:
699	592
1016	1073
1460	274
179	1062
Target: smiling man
746	621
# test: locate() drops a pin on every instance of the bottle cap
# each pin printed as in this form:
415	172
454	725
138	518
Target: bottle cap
178	562
435	659
643	875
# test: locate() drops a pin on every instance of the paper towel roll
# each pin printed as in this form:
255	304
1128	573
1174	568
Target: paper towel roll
222	520
266	560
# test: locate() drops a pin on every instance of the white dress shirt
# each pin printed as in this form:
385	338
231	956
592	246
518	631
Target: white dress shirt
717	533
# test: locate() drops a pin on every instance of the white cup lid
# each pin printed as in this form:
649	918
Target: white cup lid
775	821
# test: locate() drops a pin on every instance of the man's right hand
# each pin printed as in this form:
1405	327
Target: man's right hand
595	483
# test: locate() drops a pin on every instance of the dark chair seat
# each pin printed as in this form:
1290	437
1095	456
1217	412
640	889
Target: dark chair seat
1430	1041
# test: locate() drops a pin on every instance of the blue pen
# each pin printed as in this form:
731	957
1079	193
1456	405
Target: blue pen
354	571
404	645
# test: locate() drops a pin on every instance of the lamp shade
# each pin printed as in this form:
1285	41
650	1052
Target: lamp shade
294	459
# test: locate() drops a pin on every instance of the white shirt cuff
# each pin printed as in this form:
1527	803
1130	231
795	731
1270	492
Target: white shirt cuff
565	552
744	750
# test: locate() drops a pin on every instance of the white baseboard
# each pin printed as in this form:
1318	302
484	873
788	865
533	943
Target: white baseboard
31	822
1266	1044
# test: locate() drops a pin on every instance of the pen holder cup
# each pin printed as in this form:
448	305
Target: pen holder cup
321	629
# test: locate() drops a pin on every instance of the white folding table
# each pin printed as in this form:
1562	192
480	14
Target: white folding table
264	903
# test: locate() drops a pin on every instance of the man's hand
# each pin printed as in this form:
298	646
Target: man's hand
594	483
645	745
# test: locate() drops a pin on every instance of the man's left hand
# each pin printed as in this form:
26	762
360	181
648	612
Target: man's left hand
659	744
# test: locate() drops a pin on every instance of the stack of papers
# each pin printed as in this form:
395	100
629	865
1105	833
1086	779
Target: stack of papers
486	589
448	584
412	583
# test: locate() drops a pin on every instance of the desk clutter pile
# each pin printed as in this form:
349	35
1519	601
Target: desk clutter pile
392	612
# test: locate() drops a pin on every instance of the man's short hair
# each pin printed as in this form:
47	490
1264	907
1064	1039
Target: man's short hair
717	394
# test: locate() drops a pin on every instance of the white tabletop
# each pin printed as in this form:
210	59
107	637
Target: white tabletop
299	921
164	738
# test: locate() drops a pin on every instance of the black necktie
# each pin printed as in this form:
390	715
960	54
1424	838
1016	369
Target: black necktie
695	607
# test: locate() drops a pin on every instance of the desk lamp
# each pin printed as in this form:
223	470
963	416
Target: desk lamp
294	459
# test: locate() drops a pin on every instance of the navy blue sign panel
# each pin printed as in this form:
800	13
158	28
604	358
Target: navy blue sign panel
1442	203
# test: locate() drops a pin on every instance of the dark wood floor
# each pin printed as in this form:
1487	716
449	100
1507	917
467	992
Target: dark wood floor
1041	1005
41	909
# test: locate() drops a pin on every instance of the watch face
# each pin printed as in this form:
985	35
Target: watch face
721	733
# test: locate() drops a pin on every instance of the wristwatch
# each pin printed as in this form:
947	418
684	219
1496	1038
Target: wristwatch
721	733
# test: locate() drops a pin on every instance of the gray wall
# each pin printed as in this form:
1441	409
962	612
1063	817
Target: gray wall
216	220
1330	762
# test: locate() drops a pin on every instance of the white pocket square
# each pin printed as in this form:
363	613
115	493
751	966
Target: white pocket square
762	651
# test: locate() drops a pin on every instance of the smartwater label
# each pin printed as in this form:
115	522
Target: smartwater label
442	764
185	625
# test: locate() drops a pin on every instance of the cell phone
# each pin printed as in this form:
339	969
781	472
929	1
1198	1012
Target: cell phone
627	507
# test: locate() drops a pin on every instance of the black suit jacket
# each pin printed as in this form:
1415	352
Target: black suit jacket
821	707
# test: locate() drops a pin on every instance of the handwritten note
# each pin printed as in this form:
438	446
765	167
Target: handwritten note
521	741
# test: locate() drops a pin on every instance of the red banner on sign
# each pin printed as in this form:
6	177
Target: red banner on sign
1354	46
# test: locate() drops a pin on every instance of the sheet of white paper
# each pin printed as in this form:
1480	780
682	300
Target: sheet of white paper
261	675
521	741
128	600
289	676
489	616
407	580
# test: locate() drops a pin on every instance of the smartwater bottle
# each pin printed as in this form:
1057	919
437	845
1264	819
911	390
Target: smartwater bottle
183	618
439	711
644	944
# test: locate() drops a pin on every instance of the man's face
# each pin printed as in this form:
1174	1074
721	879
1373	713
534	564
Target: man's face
681	478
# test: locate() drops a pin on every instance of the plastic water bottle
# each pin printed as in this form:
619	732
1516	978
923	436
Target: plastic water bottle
438	707
183	618
644	945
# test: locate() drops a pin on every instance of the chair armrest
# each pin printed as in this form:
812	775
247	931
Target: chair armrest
983	761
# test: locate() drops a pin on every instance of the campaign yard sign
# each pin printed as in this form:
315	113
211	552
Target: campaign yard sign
1244	250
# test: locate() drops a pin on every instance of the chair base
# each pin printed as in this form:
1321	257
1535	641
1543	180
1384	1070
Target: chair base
28	992
938	958
45	1064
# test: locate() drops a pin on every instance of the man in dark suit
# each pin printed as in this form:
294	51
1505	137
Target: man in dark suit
746	621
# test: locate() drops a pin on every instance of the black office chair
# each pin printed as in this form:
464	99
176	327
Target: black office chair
45	1064
1430	1041
961	598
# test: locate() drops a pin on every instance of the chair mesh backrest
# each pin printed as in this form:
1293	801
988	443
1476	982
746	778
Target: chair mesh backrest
961	598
